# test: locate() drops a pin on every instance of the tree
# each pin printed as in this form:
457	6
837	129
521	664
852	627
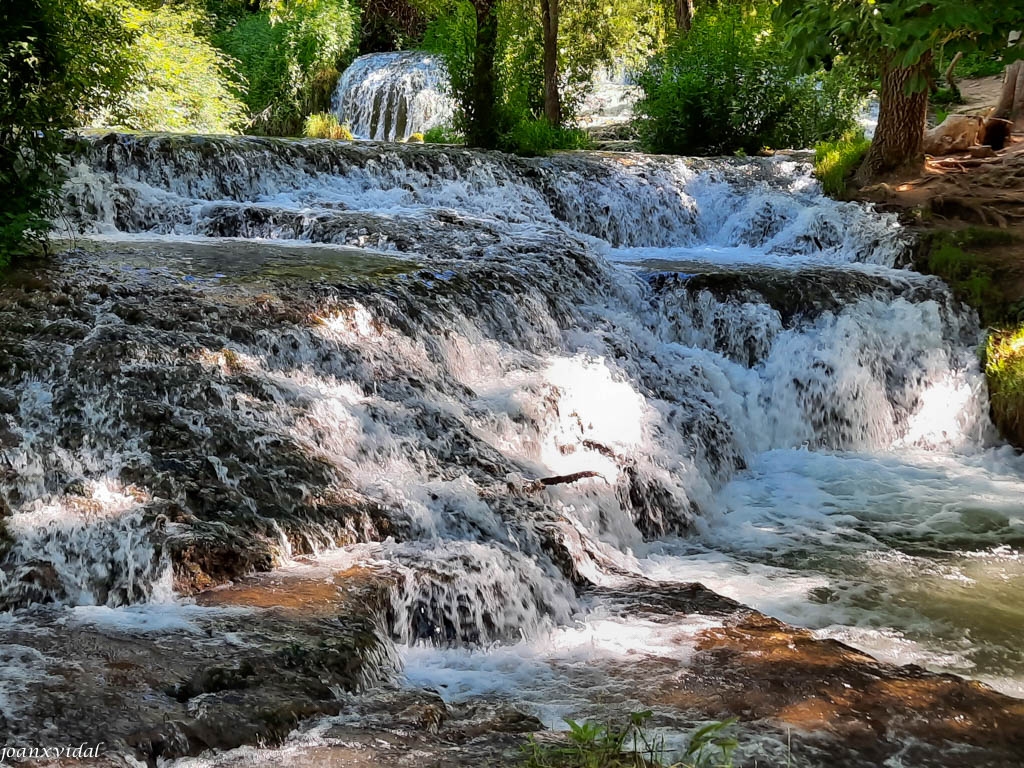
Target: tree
897	39
552	93
683	14
59	61
482	104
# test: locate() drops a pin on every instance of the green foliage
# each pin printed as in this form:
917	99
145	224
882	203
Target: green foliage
59	59
593	745
289	55
442	134
183	83
727	86
895	32
592	35
451	34
836	161
325	125
983	63
1003	358
533	138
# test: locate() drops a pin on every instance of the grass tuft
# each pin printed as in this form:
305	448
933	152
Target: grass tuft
324	125
536	138
442	134
835	162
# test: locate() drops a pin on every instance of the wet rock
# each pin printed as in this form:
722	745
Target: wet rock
839	702
246	669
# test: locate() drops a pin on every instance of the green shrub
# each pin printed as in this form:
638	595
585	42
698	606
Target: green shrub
729	85
442	134
183	82
60	60
325	125
533	138
289	57
1004	370
836	161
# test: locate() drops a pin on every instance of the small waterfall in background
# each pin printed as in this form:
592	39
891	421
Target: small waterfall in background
391	96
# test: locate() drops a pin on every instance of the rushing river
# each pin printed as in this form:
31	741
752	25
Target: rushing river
509	381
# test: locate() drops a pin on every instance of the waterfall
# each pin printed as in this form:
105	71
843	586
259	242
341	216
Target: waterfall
512	378
391	96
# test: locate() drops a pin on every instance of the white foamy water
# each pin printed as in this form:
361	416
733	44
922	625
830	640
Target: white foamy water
547	373
391	96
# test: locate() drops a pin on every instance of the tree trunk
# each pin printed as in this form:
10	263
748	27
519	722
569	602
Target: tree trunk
552	96
899	137
1011	100
684	15
481	117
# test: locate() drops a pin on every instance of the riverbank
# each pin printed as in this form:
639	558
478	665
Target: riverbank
968	215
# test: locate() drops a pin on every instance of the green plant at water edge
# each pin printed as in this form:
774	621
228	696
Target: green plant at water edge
442	134
1004	370
59	59
836	161
730	85
631	745
325	125
533	138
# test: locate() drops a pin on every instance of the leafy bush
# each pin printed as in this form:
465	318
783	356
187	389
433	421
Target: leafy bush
325	125
289	56
835	162
183	83
728	86
59	60
442	134
538	137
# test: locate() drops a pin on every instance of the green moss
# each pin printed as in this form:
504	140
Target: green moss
1004	369
953	257
835	162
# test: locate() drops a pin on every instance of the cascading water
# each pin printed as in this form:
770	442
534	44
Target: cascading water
391	96
549	376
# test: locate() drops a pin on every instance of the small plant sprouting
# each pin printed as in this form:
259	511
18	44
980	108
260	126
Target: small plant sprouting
632	745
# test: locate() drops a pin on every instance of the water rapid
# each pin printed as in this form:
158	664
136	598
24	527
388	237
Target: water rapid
515	386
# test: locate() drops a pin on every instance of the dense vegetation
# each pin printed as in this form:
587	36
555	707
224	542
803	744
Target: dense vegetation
716	77
727	86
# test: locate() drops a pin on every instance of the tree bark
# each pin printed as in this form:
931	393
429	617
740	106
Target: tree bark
1011	100
899	137
481	117
552	96
684	15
